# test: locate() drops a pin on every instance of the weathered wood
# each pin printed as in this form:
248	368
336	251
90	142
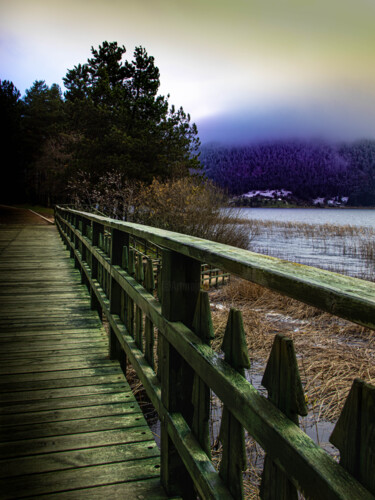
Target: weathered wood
295	454
129	301
354	434
79	458
347	297
149	327
202	327
68	418
63	414
181	283
81	477
146	489
283	383
232	436
119	240
138	332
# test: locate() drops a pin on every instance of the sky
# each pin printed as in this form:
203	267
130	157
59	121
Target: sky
245	70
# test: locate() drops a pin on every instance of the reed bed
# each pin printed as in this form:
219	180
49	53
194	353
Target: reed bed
354	246
331	352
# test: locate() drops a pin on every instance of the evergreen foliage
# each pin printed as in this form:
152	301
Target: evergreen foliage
310	169
121	122
11	109
43	124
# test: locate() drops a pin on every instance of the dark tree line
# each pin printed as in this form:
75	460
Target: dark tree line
309	169
110	119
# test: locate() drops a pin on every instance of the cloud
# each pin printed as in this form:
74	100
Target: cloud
319	121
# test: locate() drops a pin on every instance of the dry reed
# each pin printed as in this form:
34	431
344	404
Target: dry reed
331	352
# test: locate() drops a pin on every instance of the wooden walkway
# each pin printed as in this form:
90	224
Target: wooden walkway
70	426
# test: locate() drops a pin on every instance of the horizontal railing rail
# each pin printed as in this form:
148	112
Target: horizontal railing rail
179	374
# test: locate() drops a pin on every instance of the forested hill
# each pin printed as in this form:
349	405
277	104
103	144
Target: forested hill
309	169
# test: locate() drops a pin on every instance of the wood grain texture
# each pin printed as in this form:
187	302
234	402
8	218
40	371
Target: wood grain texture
306	464
70	426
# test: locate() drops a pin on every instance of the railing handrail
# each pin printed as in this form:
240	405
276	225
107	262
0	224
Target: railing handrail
344	296
305	464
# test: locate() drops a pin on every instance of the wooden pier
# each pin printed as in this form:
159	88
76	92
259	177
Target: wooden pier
70	425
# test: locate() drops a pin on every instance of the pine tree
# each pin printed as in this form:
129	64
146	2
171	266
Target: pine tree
122	123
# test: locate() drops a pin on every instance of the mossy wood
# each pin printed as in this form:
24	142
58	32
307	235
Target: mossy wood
354	434
283	383
232	435
183	356
70	425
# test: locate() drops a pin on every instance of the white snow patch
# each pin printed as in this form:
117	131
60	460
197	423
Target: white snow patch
268	193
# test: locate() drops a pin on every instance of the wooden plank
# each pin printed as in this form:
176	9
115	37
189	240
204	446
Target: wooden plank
78	332
55	383
37	417
35	395
69	402
69	421
65	346
36	431
149	489
78	458
113	369
39	484
70	352
29	365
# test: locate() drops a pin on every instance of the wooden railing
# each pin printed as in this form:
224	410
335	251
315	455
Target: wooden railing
181	372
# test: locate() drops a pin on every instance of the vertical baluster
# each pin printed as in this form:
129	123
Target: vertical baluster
96	267
160	283
159	288
119	239
124	265
130	302
181	285
232	436
354	434
138	311
282	381
202	327
149	327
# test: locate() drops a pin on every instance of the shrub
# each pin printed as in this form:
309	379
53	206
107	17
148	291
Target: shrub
186	205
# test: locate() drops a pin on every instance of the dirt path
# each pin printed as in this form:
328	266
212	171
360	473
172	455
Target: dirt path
13	215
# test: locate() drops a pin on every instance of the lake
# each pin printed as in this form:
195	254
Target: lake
337	216
340	240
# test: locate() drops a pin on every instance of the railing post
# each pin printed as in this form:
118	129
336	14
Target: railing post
180	289
232	434
119	239
85	226
283	383
129	302
203	328
97	229
149	327
139	275
354	434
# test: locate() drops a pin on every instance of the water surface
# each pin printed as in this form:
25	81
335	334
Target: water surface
336	216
